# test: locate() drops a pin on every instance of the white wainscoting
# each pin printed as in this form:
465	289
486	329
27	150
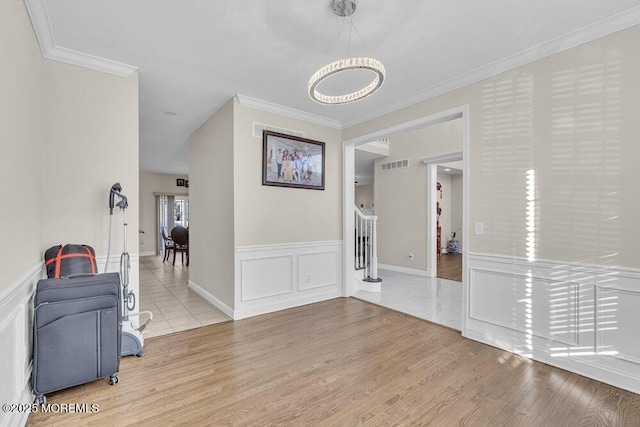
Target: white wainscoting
580	317
16	323
275	277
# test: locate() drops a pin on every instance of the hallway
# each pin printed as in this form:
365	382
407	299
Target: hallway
175	307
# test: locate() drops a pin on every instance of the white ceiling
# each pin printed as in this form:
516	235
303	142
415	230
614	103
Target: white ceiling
194	55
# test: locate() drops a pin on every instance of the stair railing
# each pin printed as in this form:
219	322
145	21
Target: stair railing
366	247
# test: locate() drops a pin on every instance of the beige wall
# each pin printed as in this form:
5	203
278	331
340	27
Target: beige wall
22	112
401	195
60	125
92	143
270	215
211	224
572	119
151	183
364	196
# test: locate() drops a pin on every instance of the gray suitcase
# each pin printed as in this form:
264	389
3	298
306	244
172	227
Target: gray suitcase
76	332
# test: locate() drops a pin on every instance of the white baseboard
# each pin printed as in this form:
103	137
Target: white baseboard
578	317
243	314
16	323
148	253
402	270
211	299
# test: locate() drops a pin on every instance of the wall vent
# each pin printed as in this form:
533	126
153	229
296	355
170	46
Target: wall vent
399	164
259	127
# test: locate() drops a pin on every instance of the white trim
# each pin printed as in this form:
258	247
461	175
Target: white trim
382	144
39	15
624	380
270	107
250	312
575	266
576	290
432	200
277	246
16	312
443	158
148	253
211	299
430	120
413	271
621	21
432	220
12	291
314	276
578	351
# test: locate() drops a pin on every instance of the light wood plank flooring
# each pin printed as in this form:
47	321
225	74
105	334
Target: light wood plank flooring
450	267
339	362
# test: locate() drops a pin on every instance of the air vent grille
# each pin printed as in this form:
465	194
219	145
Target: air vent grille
259	127
398	164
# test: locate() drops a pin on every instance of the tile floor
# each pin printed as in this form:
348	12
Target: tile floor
175	307
433	299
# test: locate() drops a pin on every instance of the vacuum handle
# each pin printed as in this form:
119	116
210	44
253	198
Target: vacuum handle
115	189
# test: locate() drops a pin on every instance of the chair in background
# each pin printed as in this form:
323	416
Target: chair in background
180	237
168	243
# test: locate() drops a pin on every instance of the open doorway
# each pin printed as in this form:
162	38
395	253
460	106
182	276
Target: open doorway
173	211
407	263
449	239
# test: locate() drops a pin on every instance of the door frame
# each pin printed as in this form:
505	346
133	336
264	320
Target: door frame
350	285
432	201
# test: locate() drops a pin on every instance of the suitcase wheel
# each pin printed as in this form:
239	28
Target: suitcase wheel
113	380
41	400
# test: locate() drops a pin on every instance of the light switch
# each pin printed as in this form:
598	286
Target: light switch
479	228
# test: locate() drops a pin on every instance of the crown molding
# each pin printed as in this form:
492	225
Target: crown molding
270	107
39	15
584	35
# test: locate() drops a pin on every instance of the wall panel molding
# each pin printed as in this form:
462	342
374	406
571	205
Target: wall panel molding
16	314
576	316
275	277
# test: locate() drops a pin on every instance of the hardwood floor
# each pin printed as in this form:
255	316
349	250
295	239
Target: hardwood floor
450	267
339	362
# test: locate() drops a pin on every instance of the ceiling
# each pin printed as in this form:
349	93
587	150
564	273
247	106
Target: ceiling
193	56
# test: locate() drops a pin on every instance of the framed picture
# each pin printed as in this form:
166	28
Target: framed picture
291	161
180	182
186	183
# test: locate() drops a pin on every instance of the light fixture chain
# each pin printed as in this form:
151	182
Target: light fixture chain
366	48
349	39
339	31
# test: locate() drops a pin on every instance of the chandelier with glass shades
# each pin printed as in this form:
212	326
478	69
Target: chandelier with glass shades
346	8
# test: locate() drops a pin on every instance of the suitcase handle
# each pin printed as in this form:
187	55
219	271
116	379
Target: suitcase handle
73	276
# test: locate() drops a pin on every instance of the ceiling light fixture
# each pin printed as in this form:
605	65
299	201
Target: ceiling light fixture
346	8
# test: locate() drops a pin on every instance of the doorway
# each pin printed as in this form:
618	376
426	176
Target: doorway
351	285
172	211
449	243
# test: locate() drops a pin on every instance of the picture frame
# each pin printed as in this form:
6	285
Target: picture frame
303	166
186	183
180	182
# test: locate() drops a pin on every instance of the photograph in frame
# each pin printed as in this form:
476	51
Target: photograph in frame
291	161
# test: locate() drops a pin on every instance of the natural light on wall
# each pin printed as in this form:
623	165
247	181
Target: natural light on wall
531	215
